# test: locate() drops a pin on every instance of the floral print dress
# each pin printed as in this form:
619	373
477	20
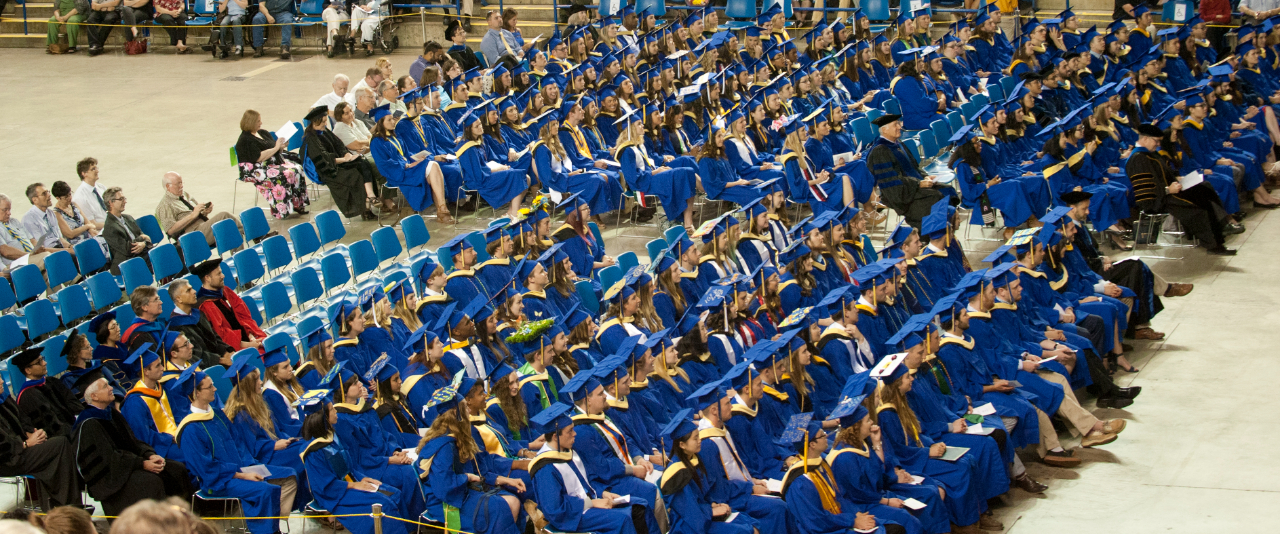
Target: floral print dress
279	179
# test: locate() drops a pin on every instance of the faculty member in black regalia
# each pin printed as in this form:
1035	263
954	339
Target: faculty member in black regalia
897	173
1156	189
46	403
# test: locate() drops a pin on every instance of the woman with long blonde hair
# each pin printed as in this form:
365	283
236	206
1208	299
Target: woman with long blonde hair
280	390
253	428
554	168
404	319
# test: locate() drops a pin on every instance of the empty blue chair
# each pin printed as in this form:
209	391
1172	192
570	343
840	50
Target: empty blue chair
609	276
304	239
60	268
588	296
674	233
1008	83
333	266
165	261
275	300
103	289
276	250
996	92
306	286
862	130
41	318
255	223
386	244
7	298
227	236
967	109
28	283
914	146
73	304
90	257
738	9
415	232
255	309
11	335
195	248
655	248
249	268
892	106
228	275
928	144
978	102
956	120
941	131
151	227
627	260
877	10
363	258
329	224
51	349
135	273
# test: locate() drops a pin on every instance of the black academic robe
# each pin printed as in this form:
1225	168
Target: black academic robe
206	345
1198	208
897	174
49	405
111	460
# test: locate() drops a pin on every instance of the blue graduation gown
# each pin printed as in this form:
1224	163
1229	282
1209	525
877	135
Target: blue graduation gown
151	419
571	513
969	372
919	104
756	448
963	501
392	161
673	187
768	512
359	431
596	438
446	476
497	188
809	513
716	173
207	436
599	190
329	468
689	507
864	479
357	355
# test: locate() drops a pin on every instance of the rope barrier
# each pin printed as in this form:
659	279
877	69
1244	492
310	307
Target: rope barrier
243	518
419	523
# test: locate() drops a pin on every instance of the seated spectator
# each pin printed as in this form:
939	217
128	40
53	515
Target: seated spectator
47	403
65	520
339	94
82	369
460	51
432	53
226	312
262	164
73	223
134	13
349	177
335	15
363	107
103	16
145	328
119	469
88	196
389	95
16	246
42	223
125	239
186	317
237	13
498	42
65	16
29	451
364	15
372	78
273	12
178	213
172	15
354	134
902	185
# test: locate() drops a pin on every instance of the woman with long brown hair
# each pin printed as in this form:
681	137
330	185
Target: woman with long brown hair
420	180
280	390
668	299
586	254
553	167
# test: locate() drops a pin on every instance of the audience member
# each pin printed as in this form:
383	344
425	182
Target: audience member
498	42
65	520
460	51
178	213
125	239
232	31
145	329
73	224
187	318
273	12
364	106
354	134
48	404
349	177
67	17
82	369
119	469
263	164
334	16
432	53
171	516
171	14
103	16
133	13
339	94
372	78
29	451
88	195
42	223
225	310
364	16
15	244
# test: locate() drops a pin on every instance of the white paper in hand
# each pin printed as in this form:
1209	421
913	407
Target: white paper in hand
653	477
915	480
913	504
1191	179
979	430
411	453
985	409
774	485
257	469
624	499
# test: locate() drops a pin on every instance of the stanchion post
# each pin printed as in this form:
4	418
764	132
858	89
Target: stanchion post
377	519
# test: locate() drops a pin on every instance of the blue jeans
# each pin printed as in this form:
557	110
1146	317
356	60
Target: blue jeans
231	30
286	32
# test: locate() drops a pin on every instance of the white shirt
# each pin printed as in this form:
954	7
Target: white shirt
42	227
89	205
350	134
330	100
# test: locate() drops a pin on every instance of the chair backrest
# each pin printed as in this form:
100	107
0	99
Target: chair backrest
1008	83
306	285
305	240
228	275
166	302
363	258
588	296
195	248
255	309
28	283
672	234
124	315
967	109
978	102
151	227
329	223
627	260
165	261
279	340
275	300
444	259
7	298
51	349
928	143
995	91
249	268
892	106
41	318
227	236
477	240
90	257
914	146
311	7
941	131
956	120
609	276
595	232
105	292
386	244
333	266
276	250
135	273
874	113
415	232
656	8
255	223
220	382
862	130
11	335
655	248
61	268
73	304
737	9
204	7
877	10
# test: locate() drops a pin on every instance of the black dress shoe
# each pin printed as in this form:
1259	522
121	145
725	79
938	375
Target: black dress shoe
1222	251
1114	402
1233	229
1028	484
1129	392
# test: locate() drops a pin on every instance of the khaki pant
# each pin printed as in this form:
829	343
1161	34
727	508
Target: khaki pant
288	491
1080	419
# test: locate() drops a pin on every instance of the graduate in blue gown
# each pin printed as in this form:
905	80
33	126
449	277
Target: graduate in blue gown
562	488
585	252
685	484
673	185
719	179
206	434
553	167
418	179
377	453
814	498
317	346
146	406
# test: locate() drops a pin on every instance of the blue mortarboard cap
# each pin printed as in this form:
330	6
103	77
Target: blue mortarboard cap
581	385
241	366
1140	10
552	419
681	425
312	401
143	353
799	428
456	245
849	409
708	395
274	357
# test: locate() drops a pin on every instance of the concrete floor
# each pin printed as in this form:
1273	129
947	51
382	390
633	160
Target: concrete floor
1190	461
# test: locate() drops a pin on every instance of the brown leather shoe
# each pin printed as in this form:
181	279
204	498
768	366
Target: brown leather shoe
1114	426
1029	485
1148	334
967	529
1178	290
988	521
1060	459
1095	439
